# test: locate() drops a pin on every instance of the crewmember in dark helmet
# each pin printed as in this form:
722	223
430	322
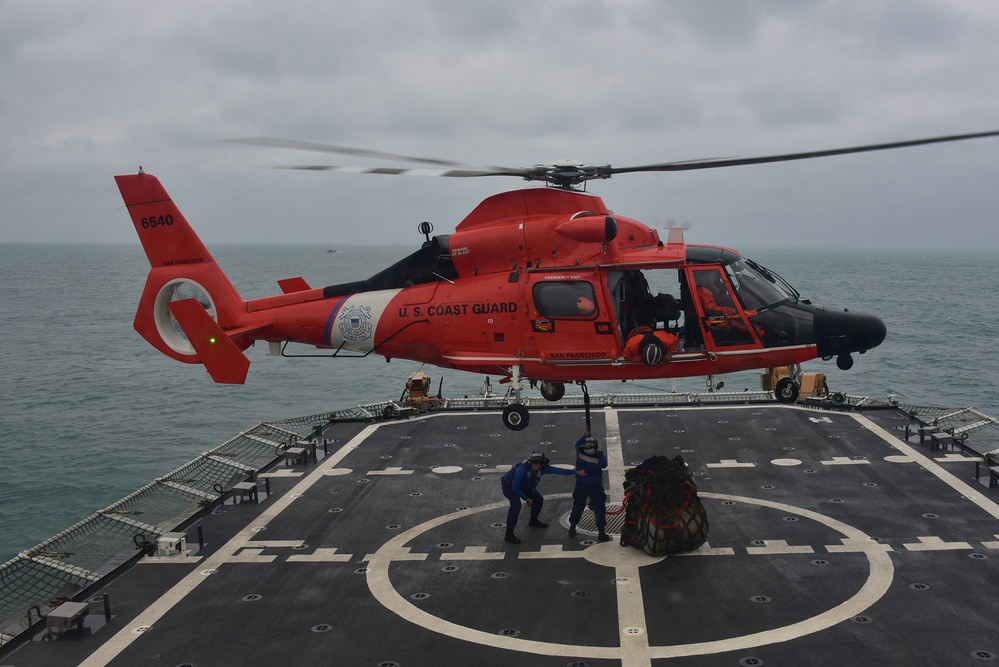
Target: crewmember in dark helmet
590	464
520	484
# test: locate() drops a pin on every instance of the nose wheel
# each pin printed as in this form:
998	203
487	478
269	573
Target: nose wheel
844	362
787	390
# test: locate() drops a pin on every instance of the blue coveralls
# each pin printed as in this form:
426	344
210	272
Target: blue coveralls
521	483
590	485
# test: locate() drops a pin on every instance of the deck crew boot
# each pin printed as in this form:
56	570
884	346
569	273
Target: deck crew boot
510	537
537	523
572	530
603	536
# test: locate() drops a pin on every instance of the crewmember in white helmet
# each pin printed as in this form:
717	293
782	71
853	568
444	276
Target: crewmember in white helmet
520	484
590	464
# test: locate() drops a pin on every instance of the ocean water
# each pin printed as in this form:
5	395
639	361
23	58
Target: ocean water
89	412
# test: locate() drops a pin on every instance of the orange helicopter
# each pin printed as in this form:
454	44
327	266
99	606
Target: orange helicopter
543	285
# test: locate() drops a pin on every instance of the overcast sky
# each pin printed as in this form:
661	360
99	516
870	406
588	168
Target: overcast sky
93	89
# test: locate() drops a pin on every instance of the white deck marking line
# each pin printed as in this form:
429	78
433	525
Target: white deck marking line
632	632
405	553
632	629
321	555
845	461
934	543
114	646
615	457
957	458
729	463
706	550
850	545
549	551
991	544
474	553
251	556
774	547
968	492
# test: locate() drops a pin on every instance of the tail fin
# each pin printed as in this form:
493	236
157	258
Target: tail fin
183	269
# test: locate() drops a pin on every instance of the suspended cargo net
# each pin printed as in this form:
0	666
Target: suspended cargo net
663	514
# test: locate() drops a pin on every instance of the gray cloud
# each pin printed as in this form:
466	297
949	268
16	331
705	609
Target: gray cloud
95	89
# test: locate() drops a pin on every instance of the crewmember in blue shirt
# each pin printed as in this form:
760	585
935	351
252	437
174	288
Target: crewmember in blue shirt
520	484
590	464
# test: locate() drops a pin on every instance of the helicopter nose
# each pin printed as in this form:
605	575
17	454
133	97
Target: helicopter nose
842	332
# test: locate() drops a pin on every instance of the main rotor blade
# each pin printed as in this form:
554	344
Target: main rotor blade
713	163
402	171
561	174
271	142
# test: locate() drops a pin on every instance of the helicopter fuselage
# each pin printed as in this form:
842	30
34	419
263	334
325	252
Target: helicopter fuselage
514	291
542	284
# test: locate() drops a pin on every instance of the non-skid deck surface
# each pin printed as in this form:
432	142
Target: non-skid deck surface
832	541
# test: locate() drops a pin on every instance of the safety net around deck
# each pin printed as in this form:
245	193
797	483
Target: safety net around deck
40	578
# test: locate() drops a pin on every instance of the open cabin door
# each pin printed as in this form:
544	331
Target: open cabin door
646	299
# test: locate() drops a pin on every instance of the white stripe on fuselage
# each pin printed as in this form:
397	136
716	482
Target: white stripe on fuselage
354	321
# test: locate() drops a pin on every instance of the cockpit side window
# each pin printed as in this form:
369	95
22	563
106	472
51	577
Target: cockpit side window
574	299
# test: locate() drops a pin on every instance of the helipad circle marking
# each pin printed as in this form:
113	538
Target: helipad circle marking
786	462
336	472
445	470
876	585
610	554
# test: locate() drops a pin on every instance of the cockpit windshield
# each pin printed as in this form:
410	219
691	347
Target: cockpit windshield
759	289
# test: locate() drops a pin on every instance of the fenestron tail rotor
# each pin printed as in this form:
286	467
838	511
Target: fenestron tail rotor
565	173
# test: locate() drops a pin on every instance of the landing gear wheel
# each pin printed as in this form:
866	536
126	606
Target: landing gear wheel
516	417
786	391
844	362
552	391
